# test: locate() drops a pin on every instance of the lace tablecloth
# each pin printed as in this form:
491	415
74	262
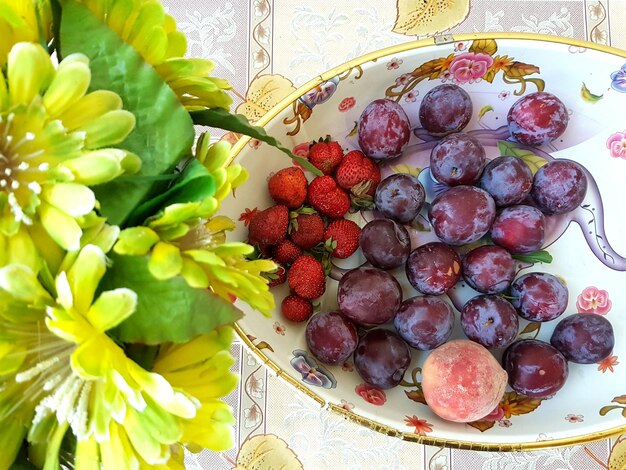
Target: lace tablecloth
298	39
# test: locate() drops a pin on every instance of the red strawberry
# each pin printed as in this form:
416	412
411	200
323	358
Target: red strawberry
287	252
269	226
307	230
325	155
296	308
288	187
357	169
306	277
277	277
343	236
328	198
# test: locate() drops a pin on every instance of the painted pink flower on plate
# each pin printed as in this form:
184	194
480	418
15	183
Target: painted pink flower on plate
411	96
345	405
460	46
594	300
617	145
394	64
445	76
347	367
370	394
301	150
470	66
403	79
347	104
575	418
496	415
505	423
279	329
254	144
504	95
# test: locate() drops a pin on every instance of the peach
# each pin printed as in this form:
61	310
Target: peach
462	381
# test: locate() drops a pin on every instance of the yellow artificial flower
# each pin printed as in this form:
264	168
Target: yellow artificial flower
181	241
53	143
201	368
59	370
23	20
144	25
215	158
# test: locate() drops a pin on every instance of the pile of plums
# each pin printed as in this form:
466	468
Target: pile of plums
498	207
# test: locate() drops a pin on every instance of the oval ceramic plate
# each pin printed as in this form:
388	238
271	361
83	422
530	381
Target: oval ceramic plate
588	244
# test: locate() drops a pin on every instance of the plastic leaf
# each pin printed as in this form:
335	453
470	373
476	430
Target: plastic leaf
193	185
217	117
164	131
167	310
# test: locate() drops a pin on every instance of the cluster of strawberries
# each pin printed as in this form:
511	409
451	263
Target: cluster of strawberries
306	226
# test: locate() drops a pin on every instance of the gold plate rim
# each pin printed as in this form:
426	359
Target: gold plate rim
360	420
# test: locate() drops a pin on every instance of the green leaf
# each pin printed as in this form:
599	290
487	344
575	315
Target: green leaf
484	110
218	117
194	184
164	131
589	97
541	256
167	310
510	149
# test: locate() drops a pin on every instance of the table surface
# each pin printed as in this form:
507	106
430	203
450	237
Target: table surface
298	39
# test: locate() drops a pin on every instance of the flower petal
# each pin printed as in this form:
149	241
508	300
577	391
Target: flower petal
86	455
29	71
205	257
193	274
4	93
22	283
160	389
143	440
12	434
117	452
136	241
95	167
112	308
166	261
109	129
91	359
61	227
73	199
90	107
199	349
21	249
69	84
85	275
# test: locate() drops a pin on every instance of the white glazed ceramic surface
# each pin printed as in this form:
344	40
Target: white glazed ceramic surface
588	245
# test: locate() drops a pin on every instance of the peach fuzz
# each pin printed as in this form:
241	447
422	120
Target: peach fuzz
462	381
